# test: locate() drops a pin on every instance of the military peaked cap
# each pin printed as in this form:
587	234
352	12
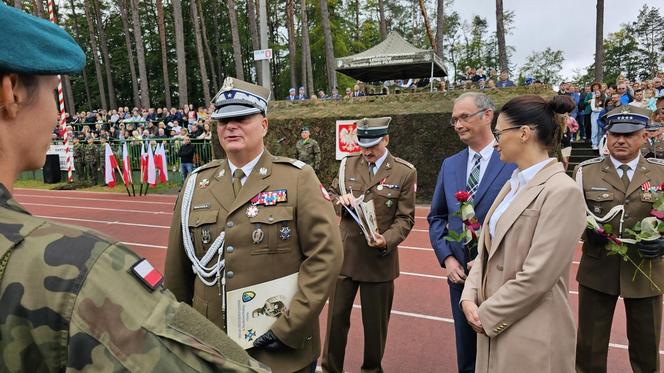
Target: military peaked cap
371	130
238	98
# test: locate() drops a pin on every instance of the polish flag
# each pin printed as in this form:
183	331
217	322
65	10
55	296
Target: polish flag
110	165
144	164
160	163
126	166
151	171
148	274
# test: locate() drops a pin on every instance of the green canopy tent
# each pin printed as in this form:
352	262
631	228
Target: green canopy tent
393	58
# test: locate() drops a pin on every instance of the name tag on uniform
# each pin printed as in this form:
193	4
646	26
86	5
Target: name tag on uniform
598	189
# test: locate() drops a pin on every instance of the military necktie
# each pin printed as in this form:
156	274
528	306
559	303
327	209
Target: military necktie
238	174
474	178
371	169
624	178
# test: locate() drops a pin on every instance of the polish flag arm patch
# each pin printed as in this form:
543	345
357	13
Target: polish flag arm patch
147	274
326	195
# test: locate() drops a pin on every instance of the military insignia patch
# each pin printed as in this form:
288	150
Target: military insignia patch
222	172
204	183
389	203
270	198
252	211
257	235
284	233
262	171
248	296
326	195
147	274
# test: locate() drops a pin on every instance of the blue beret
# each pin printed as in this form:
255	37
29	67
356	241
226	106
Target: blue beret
38	47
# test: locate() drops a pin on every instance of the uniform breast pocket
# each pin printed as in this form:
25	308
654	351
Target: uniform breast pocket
599	202
204	229
274	231
354	186
386	198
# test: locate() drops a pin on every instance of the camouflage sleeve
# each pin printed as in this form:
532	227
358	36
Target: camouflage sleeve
119	324
316	156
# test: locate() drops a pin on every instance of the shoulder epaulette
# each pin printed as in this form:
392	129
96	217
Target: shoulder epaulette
404	162
656	161
210	164
591	161
291	161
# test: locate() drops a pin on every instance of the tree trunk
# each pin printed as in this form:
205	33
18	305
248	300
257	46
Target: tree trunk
500	34
329	47
161	25
39	8
235	36
199	51
105	55
140	56
130	52
69	95
217	36
306	51
292	37
78	37
440	31
599	42
18	4
95	53
357	19
255	41
179	51
206	47
383	22
423	9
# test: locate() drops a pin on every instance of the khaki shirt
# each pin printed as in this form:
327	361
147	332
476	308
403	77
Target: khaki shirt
603	189
393	191
312	247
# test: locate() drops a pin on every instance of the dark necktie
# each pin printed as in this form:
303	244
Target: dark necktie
371	170
624	178
474	178
238	174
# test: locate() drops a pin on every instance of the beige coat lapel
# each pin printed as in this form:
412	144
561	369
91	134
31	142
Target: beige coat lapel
522	200
485	227
256	182
641	175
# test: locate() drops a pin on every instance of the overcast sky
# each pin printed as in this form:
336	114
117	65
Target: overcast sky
568	25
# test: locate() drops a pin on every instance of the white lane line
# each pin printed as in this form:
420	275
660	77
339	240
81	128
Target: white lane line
423	275
415	248
49	191
420	230
143	245
99	209
624	347
104	222
415	315
95	199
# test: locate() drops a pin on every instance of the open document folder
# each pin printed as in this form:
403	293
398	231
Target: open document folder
364	215
253	309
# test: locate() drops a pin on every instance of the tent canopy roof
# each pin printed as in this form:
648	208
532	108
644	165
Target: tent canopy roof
393	58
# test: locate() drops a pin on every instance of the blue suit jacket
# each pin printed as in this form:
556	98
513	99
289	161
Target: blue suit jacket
451	179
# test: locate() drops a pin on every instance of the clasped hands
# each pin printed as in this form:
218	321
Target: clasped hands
471	311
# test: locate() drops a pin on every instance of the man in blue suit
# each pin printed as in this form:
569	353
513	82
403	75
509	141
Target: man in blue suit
478	170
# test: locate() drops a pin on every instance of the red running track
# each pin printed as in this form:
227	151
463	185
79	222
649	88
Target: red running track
421	334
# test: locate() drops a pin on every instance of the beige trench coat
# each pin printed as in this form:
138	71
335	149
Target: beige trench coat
520	278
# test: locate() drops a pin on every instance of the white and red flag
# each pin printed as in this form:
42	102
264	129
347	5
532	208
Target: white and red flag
151	171
126	166
161	163
110	164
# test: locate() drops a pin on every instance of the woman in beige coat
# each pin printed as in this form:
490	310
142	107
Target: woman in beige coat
515	296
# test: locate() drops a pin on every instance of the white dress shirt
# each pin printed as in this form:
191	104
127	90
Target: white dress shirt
247	168
486	154
379	162
518	180
632	166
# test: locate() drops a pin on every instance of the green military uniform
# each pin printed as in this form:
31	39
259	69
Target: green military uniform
91	161
602	278
372	271
308	151
70	302
653	147
78	160
281	222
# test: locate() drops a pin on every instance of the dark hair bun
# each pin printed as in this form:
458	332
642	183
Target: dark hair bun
561	104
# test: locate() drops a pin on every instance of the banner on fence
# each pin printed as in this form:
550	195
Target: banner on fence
59	149
346	138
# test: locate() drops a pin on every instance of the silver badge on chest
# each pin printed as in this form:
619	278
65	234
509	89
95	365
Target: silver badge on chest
205	235
252	211
257	235
285	233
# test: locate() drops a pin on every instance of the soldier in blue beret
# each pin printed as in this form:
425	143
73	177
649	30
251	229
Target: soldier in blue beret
70	298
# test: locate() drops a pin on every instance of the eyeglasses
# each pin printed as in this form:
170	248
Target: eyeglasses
464	117
499	133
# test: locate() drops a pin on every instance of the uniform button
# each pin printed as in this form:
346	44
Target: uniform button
627	201
626	216
198	220
230	249
270	219
230	274
230	224
499	267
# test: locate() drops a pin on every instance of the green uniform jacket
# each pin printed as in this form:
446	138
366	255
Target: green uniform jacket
312	248
308	152
393	191
603	189
69	303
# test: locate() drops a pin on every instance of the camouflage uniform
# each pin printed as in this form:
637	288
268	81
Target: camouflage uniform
91	159
69	303
78	160
308	152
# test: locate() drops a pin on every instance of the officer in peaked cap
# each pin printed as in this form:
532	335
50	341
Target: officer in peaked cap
71	298
624	181
307	149
370	265
260	218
